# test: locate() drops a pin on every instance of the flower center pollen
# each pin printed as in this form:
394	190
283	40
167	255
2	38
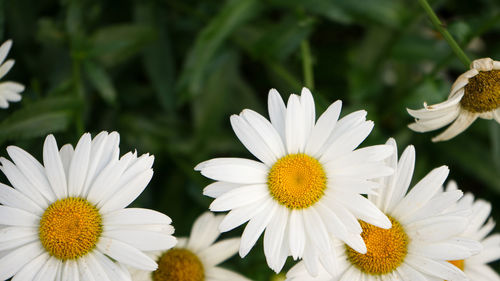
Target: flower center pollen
70	228
179	265
482	92
458	263
297	181
386	249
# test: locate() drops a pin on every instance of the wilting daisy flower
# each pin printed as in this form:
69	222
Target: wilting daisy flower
66	220
476	93
9	91
195	258
423	237
307	185
478	228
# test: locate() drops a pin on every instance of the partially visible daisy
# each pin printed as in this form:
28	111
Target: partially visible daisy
195	258
478	228
423	237
307	184
475	93
66	220
9	91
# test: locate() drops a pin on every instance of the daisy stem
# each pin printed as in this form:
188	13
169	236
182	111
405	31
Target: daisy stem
446	35
307	65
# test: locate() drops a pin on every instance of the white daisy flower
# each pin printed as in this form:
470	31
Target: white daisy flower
478	228
423	237
475	93
66	220
9	91
195	258
307	185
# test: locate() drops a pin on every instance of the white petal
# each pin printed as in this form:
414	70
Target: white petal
363	209
54	167
66	154
70	271
255	227
323	128
113	271
128	193
135	216
15	260
79	166
221	274
274	238
277	112
13	198
106	183
307	103
219	252
96	268
216	189
5	67
239	197
126	254
297	234
294	126
142	239
239	216
235	170
15	236
398	188
21	183
204	232
441	269
426	125
30	270
422	192
17	217
97	155
266	131
251	139
347	142
32	170
49	270
464	120
4	50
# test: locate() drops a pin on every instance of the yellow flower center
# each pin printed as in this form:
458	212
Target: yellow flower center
297	181
70	228
482	92
458	263
179	265
386	249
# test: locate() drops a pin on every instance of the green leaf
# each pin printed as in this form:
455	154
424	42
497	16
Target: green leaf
279	40
35	126
158	58
208	41
100	79
117	43
39	118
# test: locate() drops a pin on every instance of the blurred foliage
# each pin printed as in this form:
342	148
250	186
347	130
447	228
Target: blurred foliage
167	74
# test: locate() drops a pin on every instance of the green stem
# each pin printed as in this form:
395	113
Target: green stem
447	36
307	65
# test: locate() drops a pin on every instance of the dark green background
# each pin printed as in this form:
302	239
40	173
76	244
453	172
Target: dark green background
168	74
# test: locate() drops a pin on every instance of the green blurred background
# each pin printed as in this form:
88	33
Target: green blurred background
167	74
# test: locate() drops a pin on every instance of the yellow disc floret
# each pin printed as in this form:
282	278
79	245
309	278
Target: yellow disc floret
458	263
482	92
297	181
386	249
179	265
70	228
